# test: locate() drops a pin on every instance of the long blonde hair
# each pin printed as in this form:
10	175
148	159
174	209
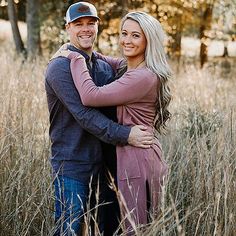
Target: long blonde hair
156	61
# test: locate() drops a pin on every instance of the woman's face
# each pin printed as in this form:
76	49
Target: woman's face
132	39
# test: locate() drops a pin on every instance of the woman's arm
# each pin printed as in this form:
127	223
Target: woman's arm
131	87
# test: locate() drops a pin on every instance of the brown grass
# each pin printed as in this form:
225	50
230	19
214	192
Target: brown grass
199	198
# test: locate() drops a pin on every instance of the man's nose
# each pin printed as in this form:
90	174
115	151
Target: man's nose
85	27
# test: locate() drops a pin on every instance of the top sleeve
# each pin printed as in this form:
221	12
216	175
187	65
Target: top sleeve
131	87
59	78
114	62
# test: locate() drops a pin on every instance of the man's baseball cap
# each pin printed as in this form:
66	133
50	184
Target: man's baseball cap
80	9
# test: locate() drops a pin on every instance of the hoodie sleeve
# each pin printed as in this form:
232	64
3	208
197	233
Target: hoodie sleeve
131	87
114	62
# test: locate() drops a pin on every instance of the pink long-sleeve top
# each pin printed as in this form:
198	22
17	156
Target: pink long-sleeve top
135	95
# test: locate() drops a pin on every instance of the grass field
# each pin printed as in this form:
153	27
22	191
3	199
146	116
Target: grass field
199	197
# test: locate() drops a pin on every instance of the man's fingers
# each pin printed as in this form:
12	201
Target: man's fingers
146	141
142	127
140	137
144	145
149	142
146	134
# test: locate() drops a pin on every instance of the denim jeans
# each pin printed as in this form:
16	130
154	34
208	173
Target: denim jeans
70	203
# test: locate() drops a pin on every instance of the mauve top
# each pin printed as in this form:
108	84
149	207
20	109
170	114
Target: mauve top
135	95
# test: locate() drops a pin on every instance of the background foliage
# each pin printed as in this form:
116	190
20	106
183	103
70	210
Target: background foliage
204	19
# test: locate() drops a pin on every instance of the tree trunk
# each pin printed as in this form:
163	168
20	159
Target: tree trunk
205	25
15	29
33	28
124	4
225	54
176	46
203	46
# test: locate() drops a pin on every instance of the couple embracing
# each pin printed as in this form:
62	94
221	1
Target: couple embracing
104	113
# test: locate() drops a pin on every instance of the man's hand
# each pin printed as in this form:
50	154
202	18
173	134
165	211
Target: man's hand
139	137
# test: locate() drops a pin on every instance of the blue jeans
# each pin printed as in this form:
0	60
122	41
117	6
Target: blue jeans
70	203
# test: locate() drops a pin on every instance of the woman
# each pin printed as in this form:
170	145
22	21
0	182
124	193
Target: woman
142	97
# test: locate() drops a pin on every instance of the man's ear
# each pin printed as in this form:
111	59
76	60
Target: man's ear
67	26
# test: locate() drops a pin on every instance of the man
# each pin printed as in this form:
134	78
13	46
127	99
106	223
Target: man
75	130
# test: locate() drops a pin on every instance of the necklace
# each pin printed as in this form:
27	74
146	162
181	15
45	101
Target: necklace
139	64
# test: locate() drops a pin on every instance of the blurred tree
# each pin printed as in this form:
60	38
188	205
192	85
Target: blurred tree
171	16
111	14
206	10
19	7
178	17
175	16
3	10
224	23
15	30
53	24
33	28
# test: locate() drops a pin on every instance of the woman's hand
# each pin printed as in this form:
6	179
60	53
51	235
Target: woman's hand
63	51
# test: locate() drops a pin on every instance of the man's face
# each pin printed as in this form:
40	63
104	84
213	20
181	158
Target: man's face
83	33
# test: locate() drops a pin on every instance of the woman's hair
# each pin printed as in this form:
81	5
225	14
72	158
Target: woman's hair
155	58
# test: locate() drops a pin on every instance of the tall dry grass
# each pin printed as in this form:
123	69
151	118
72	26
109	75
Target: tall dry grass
25	197
199	197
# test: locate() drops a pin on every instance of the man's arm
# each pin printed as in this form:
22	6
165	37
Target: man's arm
59	78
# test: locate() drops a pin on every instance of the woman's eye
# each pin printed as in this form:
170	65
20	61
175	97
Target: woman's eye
135	35
123	33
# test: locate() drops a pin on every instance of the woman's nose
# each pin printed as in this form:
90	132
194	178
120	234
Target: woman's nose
127	39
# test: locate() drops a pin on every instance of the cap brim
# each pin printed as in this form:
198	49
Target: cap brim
97	18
